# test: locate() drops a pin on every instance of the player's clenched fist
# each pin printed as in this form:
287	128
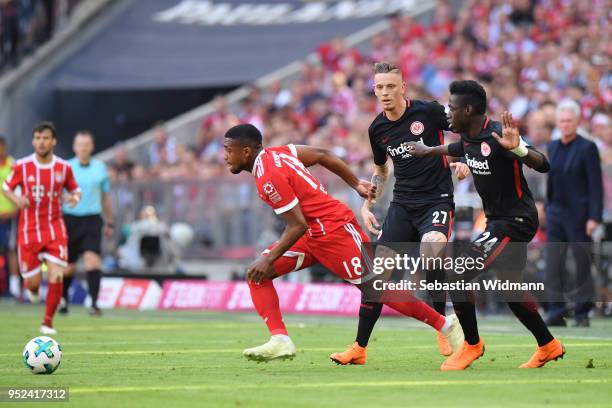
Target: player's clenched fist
260	269
417	149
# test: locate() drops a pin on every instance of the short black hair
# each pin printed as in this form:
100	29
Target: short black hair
472	93
42	126
246	133
2	140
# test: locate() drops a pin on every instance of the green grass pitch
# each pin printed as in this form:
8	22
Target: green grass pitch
193	359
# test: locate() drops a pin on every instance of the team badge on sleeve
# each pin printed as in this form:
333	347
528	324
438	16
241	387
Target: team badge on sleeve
270	190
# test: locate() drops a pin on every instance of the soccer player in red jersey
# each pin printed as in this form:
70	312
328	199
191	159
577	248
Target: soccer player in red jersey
319	229
42	178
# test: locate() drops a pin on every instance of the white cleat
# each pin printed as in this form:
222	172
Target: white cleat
44	329
33	297
454	335
278	347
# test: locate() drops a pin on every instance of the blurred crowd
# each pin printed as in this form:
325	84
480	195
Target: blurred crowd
26	24
528	54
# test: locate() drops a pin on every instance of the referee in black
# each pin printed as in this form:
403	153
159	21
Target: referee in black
86	222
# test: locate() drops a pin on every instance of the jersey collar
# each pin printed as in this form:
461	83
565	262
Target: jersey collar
486	122
480	136
407	107
43	166
257	159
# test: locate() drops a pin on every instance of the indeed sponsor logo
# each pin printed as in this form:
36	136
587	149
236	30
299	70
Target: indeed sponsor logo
398	151
477	164
401	150
478	167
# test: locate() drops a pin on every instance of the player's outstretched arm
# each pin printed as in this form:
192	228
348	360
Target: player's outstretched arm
314	155
512	141
296	226
454	150
536	160
419	149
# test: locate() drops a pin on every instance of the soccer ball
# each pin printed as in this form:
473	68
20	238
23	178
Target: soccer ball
181	234
42	355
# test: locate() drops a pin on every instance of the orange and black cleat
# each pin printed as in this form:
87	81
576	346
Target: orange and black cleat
464	356
355	354
443	346
553	350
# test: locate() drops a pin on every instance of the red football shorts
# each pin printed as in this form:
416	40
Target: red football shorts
32	254
339	251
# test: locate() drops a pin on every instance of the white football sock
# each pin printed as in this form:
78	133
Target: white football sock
282	337
15	285
447	325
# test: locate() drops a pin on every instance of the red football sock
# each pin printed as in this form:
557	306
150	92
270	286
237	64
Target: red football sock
54	294
418	309
265	299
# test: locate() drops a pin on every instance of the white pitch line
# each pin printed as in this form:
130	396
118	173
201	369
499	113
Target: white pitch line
145	327
359	384
151	342
156	352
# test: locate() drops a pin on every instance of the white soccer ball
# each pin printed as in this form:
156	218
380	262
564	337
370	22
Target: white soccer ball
42	355
181	234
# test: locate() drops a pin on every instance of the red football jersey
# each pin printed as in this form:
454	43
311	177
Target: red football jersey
43	185
283	181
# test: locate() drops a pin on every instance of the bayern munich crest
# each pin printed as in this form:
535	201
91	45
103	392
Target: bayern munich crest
485	149
417	128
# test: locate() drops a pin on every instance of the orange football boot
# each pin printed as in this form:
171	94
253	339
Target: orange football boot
553	350
443	346
464	356
355	354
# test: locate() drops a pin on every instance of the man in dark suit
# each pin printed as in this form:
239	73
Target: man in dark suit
574	210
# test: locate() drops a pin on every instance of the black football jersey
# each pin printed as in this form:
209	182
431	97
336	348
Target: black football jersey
418	181
498	174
